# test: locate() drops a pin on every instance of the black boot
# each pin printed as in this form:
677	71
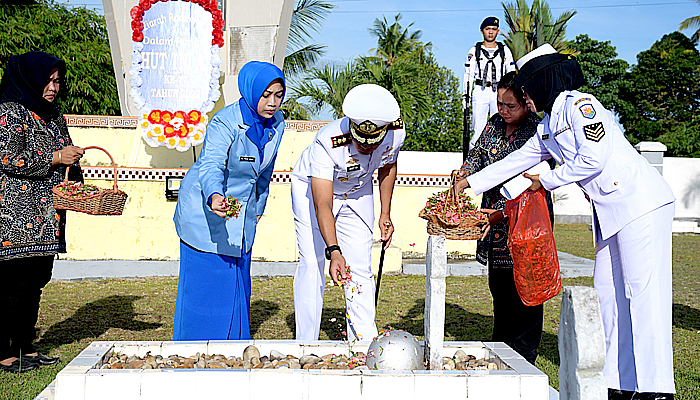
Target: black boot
653	396
617	394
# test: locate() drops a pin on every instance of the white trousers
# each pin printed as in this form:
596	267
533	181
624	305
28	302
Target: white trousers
355	240
483	106
633	279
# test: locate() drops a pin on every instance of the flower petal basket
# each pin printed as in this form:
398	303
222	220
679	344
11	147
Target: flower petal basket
99	202
455	219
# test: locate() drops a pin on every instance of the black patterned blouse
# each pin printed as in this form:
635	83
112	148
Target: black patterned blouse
493	145
29	224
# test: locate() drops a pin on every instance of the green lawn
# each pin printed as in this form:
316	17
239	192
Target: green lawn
74	314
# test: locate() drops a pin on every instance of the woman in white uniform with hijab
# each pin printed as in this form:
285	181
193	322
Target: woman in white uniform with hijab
633	209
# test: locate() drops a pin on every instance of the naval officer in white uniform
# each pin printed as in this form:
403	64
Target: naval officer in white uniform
633	209
333	208
486	64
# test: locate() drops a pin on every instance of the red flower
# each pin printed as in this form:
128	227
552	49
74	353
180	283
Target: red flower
167	116
193	117
155	117
136	25
183	131
3	120
169	131
137	37
136	12
145	5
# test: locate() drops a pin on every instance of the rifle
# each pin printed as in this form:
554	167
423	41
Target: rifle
466	130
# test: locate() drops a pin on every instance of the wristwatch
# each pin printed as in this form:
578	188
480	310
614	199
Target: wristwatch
331	249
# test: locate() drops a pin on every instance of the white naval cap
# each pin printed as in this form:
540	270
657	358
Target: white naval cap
370	108
540	51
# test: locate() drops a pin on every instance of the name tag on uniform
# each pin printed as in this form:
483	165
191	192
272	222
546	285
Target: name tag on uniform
355	167
545	136
247	159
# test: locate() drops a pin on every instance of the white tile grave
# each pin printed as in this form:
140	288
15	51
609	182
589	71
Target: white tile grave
82	379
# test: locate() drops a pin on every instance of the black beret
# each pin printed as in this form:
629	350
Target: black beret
490	21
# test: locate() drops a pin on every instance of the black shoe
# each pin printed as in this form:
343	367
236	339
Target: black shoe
19	365
41	359
617	394
653	396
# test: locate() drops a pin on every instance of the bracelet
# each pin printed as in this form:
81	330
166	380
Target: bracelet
59	157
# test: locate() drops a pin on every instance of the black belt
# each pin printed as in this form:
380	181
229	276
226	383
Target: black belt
485	83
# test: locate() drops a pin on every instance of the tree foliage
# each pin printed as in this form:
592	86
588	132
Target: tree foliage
427	93
307	17
663	96
394	40
76	35
690	23
531	27
603	71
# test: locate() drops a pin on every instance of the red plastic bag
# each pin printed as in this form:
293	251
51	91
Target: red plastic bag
531	244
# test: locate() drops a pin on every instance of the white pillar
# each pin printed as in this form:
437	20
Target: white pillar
581	346
434	323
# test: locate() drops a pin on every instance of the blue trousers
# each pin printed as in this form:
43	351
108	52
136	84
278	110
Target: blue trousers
213	296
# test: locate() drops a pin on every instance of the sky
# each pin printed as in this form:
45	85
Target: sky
453	26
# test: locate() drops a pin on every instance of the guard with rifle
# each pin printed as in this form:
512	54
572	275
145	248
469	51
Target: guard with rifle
486	63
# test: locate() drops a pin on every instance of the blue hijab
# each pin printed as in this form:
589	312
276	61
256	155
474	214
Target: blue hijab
254	78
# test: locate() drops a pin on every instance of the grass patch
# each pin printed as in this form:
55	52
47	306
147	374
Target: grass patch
73	314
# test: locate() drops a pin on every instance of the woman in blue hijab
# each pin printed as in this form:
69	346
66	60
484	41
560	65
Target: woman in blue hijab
237	159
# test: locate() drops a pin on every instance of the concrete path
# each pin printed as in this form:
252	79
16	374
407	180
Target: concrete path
571	266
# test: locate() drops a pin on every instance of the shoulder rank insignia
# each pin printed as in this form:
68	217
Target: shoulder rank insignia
398	124
581	100
341	140
594	132
469	57
587	111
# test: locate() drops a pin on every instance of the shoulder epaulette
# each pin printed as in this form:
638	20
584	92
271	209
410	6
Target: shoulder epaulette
341	140
398	124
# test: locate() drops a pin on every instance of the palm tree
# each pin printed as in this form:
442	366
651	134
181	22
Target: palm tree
334	83
393	40
306	19
531	27
302	55
692	22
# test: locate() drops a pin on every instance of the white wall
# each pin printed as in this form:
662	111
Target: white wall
683	175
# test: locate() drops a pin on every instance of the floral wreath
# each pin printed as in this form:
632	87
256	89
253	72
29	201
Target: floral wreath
176	129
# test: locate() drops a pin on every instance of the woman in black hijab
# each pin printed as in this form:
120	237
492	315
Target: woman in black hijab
35	149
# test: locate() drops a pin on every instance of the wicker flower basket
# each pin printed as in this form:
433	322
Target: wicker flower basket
467	228
108	202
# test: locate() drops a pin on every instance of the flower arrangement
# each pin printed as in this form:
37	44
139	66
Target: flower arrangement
451	211
182	130
77	190
209	5
177	130
232	206
456	219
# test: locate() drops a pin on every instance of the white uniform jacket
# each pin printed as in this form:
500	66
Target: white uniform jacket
590	149
332	156
471	72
